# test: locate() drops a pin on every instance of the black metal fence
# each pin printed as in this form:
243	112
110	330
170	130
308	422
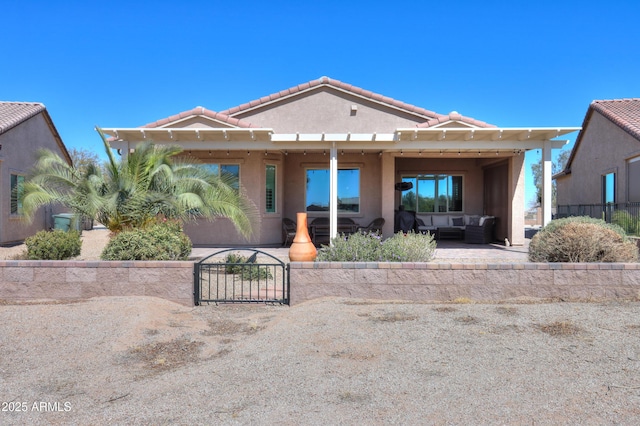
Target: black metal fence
626	215
241	276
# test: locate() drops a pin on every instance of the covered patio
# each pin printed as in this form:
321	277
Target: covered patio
337	151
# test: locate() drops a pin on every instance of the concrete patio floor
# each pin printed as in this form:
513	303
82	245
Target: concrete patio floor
447	251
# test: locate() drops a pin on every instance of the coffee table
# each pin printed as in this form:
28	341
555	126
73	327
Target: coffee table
449	233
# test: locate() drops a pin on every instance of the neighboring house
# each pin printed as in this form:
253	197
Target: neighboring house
25	127
604	165
289	149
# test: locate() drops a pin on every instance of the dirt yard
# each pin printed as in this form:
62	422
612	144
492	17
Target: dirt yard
148	361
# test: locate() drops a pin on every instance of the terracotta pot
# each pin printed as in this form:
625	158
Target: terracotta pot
302	248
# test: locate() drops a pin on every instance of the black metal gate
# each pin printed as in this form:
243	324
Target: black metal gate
241	276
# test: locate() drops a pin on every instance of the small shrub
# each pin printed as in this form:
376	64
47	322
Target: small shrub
581	239
241	265
162	240
409	247
358	247
369	247
53	245
627	221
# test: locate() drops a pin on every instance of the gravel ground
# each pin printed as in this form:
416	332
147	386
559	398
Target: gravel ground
334	361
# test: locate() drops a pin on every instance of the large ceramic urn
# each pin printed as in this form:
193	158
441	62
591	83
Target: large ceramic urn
302	248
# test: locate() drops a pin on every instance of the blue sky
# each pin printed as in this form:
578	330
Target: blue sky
125	64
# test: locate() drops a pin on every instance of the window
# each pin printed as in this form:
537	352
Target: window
433	193
17	184
633	179
609	188
317	196
230	170
270	185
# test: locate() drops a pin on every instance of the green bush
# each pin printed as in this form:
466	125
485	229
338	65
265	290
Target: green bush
53	245
581	239
369	247
627	221
162	240
241	265
409	247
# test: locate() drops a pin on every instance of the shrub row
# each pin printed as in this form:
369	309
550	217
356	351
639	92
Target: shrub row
369	247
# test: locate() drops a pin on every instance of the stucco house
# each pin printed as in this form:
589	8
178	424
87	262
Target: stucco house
25	127
604	165
335	150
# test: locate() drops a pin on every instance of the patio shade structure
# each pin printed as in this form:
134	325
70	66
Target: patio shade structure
433	142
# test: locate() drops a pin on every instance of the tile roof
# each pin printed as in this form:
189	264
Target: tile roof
454	116
227	116
625	113
14	113
202	112
359	92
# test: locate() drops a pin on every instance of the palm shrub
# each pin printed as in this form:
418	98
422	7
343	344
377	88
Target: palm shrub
370	247
149	182
159	240
581	239
53	245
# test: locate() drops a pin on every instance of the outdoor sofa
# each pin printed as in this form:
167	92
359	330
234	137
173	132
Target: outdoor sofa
474	229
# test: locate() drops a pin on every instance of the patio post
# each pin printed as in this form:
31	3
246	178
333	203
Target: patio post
333	192
546	183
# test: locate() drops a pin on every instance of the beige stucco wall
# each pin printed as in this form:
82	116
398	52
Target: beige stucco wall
329	110
17	156
603	149
515	217
268	226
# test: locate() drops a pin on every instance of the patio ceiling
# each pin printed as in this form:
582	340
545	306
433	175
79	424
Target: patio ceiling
436	140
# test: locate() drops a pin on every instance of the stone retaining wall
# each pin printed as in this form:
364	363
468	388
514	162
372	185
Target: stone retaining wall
23	280
73	280
478	282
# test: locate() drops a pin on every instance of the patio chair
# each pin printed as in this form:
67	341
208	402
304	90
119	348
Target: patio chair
375	226
288	231
480	234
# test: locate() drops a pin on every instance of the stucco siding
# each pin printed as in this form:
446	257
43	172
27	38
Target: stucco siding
17	156
604	148
329	110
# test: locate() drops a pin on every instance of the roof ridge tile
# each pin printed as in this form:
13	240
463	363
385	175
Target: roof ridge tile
324	80
225	118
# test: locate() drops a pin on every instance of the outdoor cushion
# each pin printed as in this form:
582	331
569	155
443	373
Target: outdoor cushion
471	219
426	219
440	220
483	218
457	221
